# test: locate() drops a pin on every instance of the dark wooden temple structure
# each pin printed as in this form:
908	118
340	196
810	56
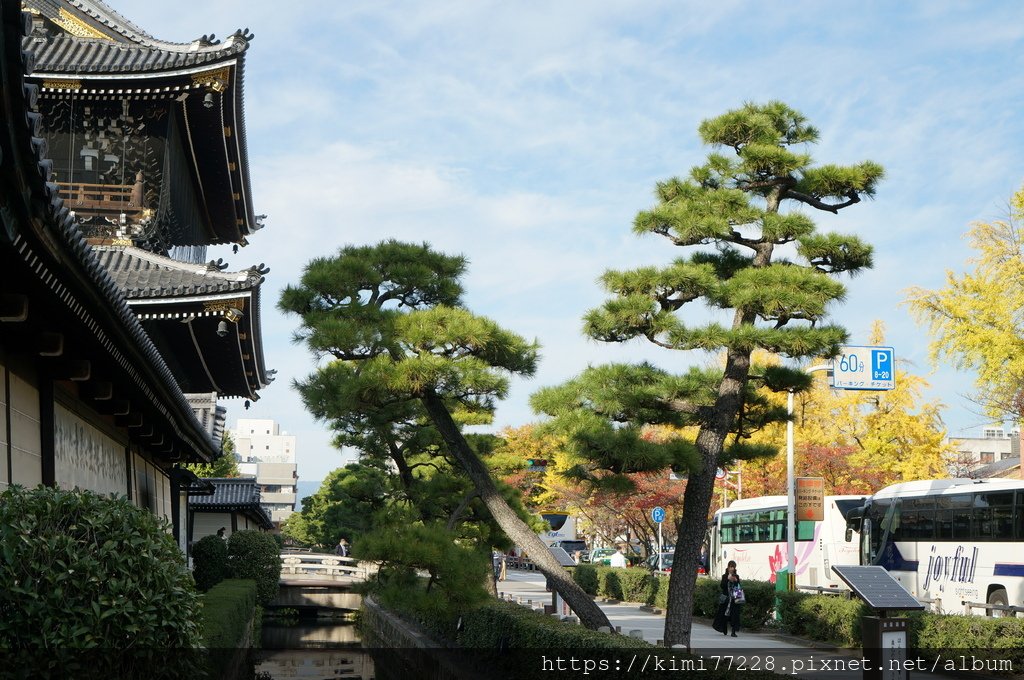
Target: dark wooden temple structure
122	158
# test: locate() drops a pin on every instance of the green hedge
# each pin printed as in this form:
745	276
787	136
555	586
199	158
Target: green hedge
837	620
228	609
255	555
822	617
507	625
210	562
640	585
83	571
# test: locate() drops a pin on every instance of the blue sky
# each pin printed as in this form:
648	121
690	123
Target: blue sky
527	135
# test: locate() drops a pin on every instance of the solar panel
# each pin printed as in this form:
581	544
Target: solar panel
563	557
877	587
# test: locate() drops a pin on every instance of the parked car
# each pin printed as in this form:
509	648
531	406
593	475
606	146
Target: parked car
572	547
602	556
666	561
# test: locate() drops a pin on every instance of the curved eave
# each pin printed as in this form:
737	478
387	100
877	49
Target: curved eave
40	228
214	135
230	364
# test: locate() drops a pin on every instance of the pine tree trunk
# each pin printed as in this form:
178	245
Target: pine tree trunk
692	528
700	487
515	528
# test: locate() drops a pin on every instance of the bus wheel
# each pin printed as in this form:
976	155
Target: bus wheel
997	596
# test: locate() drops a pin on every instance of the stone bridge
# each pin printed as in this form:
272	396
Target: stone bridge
320	581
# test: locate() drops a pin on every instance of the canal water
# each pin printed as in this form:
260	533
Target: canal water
312	649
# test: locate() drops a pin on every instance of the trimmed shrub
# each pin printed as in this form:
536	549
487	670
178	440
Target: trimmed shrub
659	593
585	576
822	617
255	555
79	571
210	562
426	575
228	610
503	625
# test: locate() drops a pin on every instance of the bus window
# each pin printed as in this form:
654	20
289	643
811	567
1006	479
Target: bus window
804	531
1018	517
867	556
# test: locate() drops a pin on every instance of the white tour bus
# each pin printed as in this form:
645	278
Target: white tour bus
563	527
752	531
950	541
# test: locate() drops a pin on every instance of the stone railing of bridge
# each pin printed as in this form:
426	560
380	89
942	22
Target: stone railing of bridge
322	567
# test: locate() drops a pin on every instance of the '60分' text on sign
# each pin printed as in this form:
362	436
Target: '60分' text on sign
864	368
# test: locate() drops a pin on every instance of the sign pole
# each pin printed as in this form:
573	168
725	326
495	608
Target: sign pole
661	545
790	497
790	489
658	515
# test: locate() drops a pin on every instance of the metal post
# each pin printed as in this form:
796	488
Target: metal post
790	494
790	486
660	545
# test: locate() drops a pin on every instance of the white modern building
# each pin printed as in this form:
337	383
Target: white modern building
269	455
994	445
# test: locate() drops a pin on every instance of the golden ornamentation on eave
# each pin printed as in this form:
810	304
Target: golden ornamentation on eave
216	80
76	27
224	305
59	84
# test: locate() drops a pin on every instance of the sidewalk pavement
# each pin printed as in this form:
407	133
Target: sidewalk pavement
790	655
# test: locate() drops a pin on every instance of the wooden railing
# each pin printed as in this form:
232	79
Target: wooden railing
103	199
315	566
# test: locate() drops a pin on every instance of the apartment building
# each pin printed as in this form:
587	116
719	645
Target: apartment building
268	455
975	454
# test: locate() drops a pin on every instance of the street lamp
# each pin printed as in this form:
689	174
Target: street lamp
791	489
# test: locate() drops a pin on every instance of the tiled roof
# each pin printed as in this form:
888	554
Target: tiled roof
236	493
29	153
142	274
112	44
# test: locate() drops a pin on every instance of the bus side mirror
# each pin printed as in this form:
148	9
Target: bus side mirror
849	534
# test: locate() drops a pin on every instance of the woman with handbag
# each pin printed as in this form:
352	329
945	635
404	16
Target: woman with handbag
730	602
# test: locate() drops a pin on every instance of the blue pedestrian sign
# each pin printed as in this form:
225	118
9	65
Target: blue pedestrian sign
864	368
658	515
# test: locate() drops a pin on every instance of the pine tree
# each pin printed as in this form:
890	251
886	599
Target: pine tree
769	274
387	320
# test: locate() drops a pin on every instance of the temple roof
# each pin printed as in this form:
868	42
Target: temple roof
83	48
142	274
41	236
97	39
236	493
205	321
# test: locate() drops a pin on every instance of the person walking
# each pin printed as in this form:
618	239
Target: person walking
342	549
730	602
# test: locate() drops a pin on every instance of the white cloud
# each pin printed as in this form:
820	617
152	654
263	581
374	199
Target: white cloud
527	135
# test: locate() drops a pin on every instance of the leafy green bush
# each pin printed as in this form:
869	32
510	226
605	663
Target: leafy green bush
455	573
822	617
1000	639
228	609
210	562
585	576
705	596
79	570
503	625
838	620
255	555
659	593
637	584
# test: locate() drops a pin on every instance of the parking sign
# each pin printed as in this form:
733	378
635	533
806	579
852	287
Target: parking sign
864	368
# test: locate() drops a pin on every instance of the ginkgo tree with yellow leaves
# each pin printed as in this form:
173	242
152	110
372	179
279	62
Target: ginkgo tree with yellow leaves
859	441
975	319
